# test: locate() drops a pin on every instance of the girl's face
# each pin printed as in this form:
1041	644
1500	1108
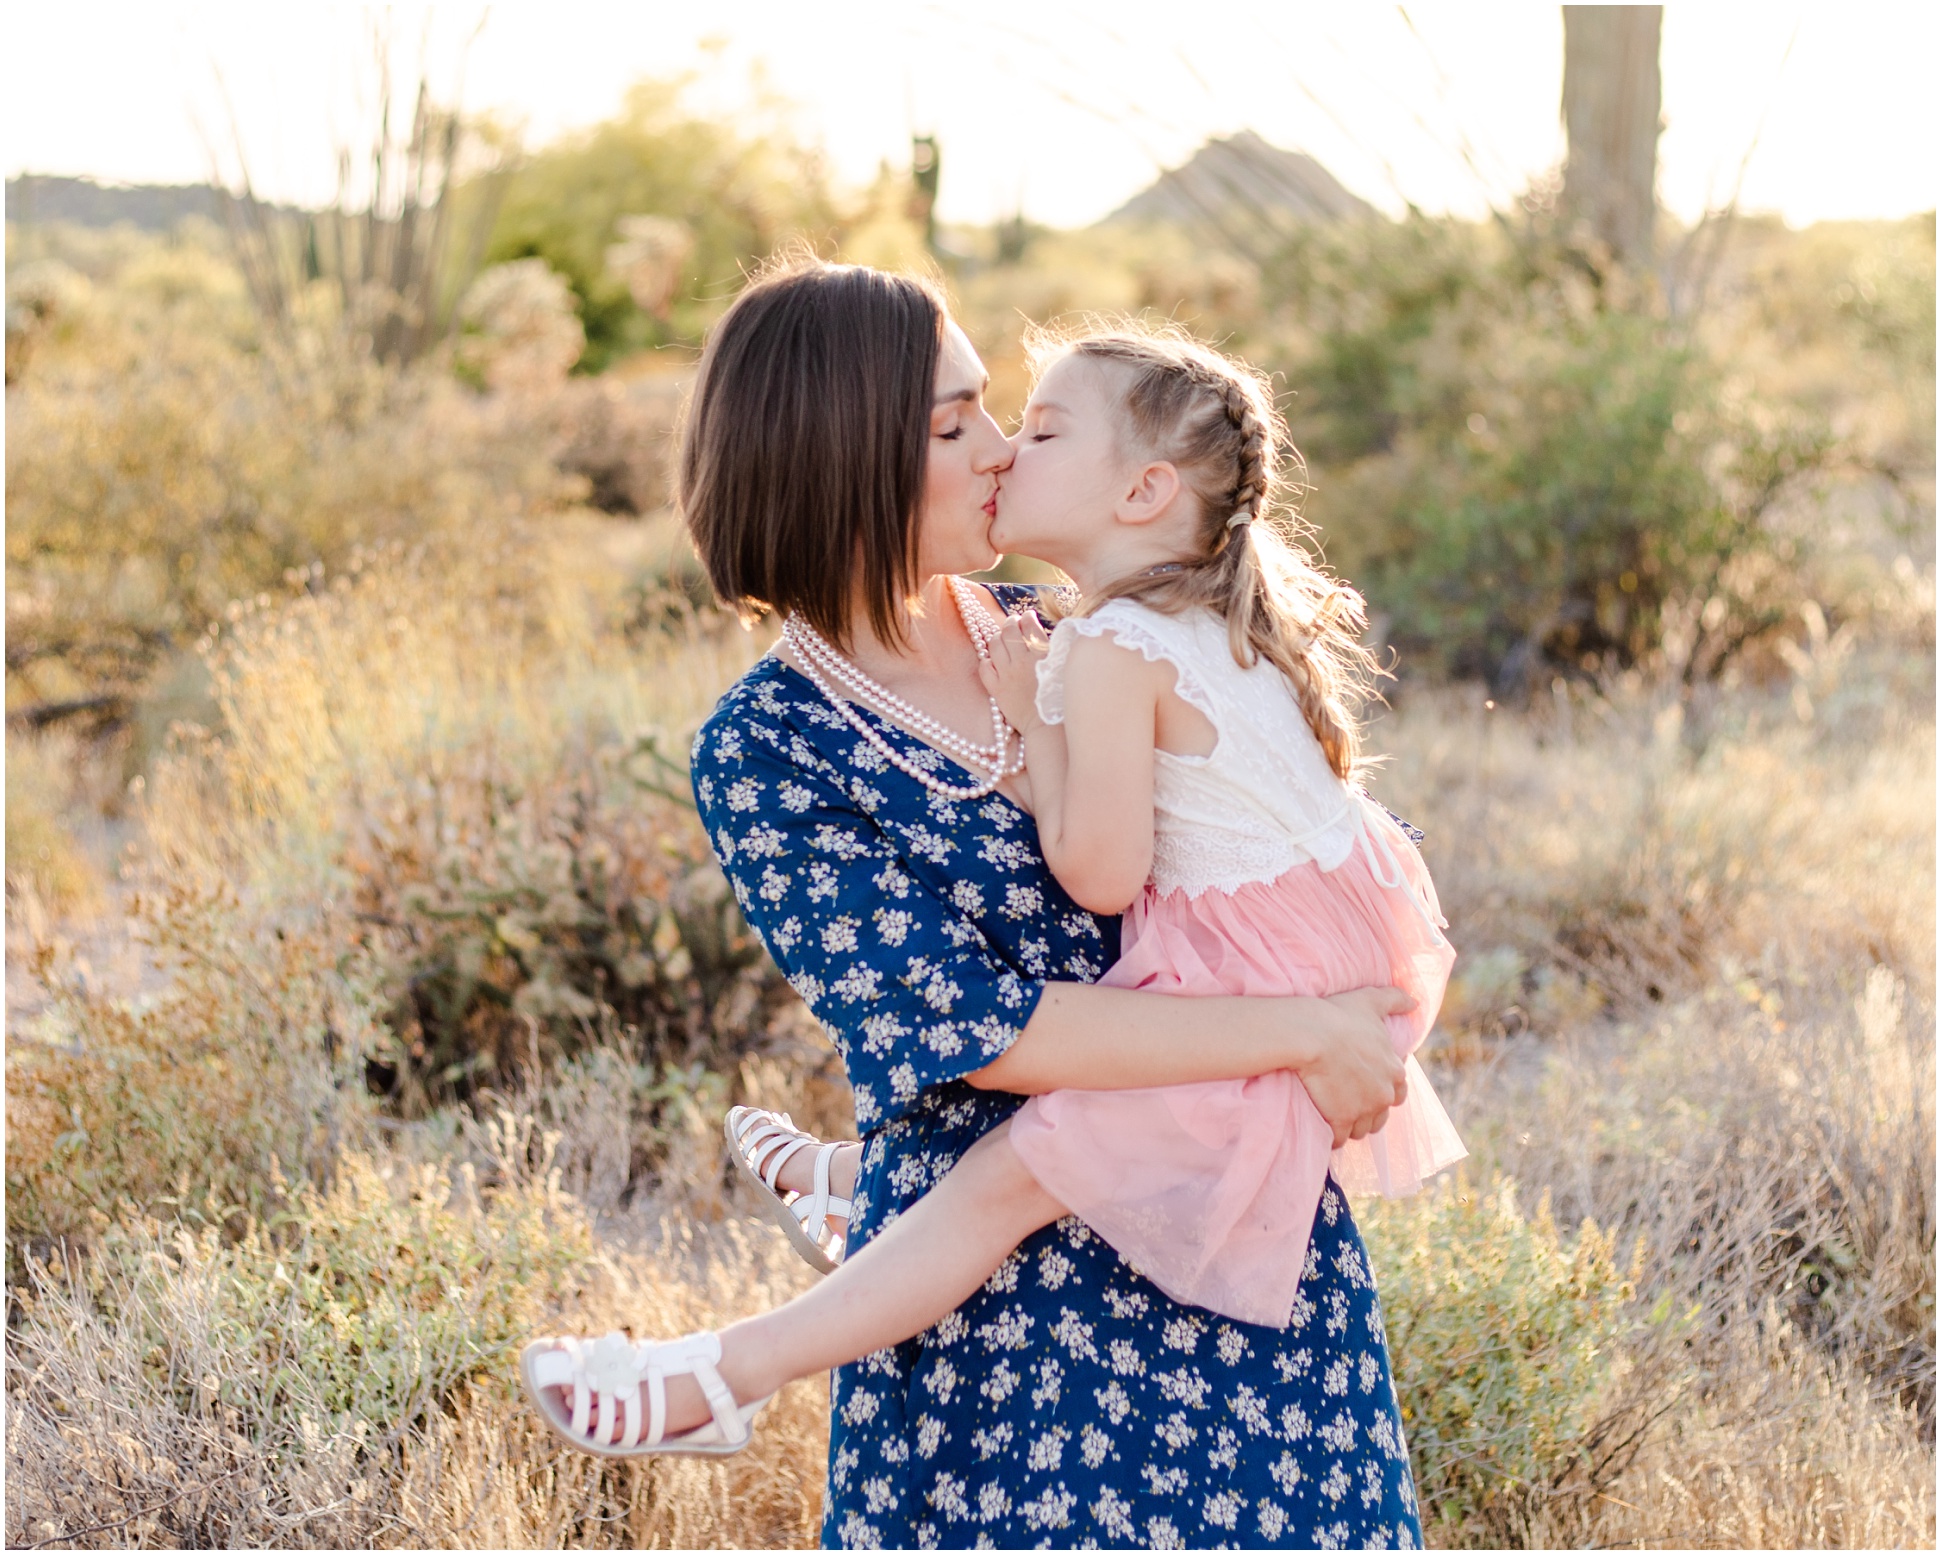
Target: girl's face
967	450
1058	497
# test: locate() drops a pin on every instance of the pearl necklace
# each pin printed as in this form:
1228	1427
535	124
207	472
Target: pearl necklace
817	658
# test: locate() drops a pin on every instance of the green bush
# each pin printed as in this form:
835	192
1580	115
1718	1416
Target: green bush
1506	1344
1525	472
728	194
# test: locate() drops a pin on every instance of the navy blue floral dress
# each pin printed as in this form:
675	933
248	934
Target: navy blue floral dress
1070	1403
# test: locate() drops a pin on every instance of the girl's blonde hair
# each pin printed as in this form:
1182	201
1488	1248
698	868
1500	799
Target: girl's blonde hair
1214	420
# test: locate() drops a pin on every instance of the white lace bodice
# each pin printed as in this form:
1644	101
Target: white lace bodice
1265	799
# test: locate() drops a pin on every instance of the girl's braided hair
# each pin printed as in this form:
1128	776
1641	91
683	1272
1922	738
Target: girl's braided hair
1214	420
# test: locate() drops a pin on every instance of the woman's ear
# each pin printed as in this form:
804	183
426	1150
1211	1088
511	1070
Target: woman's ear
1150	494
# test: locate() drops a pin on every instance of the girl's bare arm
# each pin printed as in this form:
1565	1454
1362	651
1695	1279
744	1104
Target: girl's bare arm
1083	1037
1092	775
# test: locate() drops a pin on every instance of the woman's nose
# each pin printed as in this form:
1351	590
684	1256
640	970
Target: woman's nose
997	453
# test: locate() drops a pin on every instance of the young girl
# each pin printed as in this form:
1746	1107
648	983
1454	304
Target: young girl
1191	747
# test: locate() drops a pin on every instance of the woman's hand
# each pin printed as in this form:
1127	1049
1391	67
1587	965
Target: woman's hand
1356	1075
1011	672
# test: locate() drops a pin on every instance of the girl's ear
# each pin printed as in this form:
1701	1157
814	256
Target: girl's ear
1149	495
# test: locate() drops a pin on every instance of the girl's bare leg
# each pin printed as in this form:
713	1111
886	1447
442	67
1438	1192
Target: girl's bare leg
920	1268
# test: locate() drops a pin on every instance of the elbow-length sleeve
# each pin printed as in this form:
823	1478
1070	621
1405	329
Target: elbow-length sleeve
906	984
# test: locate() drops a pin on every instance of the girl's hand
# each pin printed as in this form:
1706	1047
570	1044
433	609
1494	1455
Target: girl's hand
1011	672
1358	1075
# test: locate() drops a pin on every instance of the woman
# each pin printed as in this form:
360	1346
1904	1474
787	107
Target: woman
839	469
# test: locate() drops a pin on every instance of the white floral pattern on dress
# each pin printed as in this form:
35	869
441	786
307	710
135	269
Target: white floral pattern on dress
1070	1403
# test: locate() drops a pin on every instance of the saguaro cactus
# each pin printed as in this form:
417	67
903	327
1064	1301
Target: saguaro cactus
1611	117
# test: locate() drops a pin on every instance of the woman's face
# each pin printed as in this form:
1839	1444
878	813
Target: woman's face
967	449
1066	471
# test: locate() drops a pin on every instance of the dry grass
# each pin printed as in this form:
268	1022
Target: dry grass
1694	1007
252	1304
1784	1453
364	683
345	1381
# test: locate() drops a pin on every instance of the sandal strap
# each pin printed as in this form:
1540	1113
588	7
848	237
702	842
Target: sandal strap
814	1211
656	1408
760	1120
770	1152
607	1376
768	1140
696	1355
582	1389
603	1419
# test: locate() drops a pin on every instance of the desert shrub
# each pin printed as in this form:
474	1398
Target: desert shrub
507	834
1694	1003
193	1100
320	1340
1839	316
518	328
521	337
1506	1344
162	462
619	437
1770	1154
520	919
1525	472
1772	1144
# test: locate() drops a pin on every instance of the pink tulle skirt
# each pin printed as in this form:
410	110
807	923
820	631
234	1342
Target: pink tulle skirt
1210	1190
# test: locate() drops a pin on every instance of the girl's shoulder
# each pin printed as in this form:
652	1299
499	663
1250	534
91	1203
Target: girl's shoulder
1182	641
1186	639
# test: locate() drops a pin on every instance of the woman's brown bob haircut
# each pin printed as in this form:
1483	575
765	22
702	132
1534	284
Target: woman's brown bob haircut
802	462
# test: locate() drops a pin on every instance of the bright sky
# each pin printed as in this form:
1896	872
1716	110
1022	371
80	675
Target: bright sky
1061	108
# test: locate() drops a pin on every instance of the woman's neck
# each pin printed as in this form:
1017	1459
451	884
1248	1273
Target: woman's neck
934	636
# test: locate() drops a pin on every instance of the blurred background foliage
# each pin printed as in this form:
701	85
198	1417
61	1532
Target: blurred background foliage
653	216
1535	461
347	693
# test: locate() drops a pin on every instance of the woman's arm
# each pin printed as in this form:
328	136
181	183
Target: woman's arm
1083	1037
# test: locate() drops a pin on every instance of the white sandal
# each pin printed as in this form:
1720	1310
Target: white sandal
760	1142
610	1372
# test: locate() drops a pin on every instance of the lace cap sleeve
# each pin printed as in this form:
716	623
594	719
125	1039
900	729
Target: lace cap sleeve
1135	627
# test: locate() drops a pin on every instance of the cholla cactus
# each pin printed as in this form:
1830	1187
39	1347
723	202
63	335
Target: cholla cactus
522	332
649	257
